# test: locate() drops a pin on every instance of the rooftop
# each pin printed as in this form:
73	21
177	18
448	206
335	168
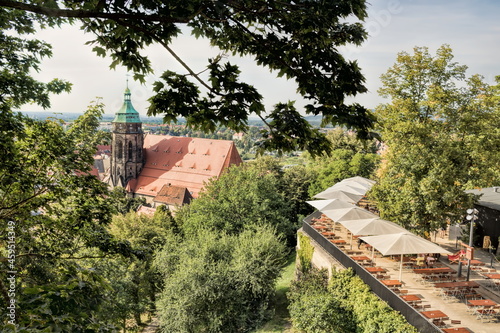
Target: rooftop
127	113
183	162
490	197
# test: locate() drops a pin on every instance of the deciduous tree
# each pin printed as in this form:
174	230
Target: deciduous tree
297	40
56	207
215	282
243	196
350	157
441	130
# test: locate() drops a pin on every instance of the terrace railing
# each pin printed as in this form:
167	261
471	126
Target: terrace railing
413	317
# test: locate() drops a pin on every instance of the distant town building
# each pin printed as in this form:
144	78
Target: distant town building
238	136
163	169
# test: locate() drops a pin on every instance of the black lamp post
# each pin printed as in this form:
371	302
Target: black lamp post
471	216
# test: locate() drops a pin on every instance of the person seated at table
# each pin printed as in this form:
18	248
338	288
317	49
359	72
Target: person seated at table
429	260
456	257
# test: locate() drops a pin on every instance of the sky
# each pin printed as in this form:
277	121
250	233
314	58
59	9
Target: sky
470	27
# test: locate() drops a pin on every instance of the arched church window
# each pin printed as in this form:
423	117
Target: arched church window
130	150
120	150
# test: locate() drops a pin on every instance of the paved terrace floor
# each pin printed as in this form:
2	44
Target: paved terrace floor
454	308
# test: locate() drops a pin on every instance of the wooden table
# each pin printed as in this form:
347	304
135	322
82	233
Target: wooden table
456	330
473	262
320	227
411	298
482	302
375	269
360	258
338	241
493	276
392	283
458	284
328	234
435	270
434	314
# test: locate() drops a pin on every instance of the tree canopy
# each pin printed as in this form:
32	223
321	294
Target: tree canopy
215	282
297	40
252	194
349	157
442	134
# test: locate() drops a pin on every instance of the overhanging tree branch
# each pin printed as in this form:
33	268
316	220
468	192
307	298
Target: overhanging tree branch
78	13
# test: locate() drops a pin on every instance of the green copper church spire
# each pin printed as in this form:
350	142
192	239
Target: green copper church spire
127	113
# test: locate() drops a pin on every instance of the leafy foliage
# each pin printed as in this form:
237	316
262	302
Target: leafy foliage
344	304
58	209
133	283
313	308
305	253
295	40
350	157
441	129
215	282
60	213
243	196
369	313
123	204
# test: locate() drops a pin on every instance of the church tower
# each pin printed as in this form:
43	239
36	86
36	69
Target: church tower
127	157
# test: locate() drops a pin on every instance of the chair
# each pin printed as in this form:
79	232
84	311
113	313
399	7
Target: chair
471	308
471	296
439	322
454	258
420	262
417	306
485	314
456	322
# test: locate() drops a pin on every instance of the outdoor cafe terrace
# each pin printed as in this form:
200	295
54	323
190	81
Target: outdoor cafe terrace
429	293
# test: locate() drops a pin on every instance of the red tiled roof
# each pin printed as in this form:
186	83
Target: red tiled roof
173	195
181	161
104	149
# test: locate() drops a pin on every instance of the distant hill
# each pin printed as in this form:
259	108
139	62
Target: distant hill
71	116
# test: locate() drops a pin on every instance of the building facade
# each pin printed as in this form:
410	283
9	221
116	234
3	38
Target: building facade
163	169
127	158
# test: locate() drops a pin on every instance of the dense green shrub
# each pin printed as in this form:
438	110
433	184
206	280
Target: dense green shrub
345	304
305	253
370	314
216	282
314	309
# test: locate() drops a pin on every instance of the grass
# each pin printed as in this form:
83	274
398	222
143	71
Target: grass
280	322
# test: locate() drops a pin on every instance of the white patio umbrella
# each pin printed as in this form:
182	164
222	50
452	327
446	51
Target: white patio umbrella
351	184
347	188
360	179
355	183
345	214
370	227
402	243
341	195
330	204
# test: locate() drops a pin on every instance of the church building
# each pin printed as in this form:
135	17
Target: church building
127	159
164	169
